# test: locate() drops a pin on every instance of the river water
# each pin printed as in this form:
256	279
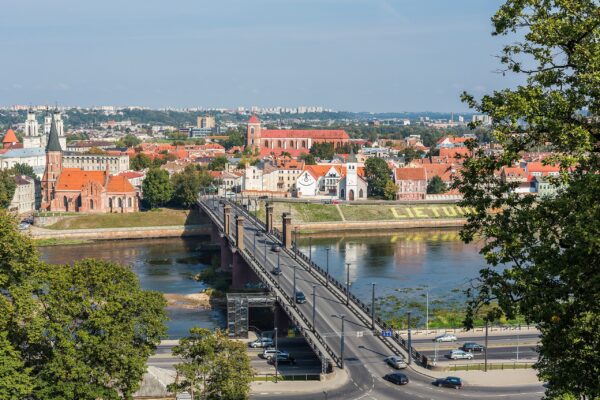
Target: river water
396	263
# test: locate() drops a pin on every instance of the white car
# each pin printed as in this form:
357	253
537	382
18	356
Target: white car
270	353
396	362
446	337
460	355
262	342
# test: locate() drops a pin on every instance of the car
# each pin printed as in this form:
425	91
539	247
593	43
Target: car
24	225
300	297
283	359
473	347
446	337
275	248
460	355
262	342
396	362
270	353
276	271
397	378
450	382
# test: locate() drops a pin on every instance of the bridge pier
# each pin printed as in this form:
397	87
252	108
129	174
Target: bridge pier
239	232
227	219
287	230
215	236
269	217
226	256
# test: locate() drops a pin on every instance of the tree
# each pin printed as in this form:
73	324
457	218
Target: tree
436	185
324	151
218	163
24	169
140	161
378	175
390	190
187	184
96	151
212	367
156	188
7	187
549	245
176	135
71	332
309	159
237	137
128	140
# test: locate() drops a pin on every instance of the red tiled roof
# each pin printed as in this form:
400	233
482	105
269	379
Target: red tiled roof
254	120
75	178
131	174
10	137
541	167
119	184
455	151
304	133
411	174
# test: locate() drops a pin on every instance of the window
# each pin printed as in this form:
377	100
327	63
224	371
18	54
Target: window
129	203
91	204
252	131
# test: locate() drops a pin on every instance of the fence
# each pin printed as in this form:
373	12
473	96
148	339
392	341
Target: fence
490	366
270	377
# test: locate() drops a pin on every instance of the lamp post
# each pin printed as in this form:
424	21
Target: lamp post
296	242
276	354
309	249
327	274
342	317
314	306
294	281
265	250
373	307
486	346
409	341
347	283
427	311
279	260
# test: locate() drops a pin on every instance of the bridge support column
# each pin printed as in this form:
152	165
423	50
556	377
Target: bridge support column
226	219
214	234
269	218
225	255
287	230
239	232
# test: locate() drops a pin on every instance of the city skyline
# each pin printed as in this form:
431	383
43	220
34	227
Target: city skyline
381	56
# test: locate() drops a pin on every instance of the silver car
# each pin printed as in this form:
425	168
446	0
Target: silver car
446	337
396	362
460	355
261	342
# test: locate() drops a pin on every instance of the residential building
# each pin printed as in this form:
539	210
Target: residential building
412	183
97	162
24	199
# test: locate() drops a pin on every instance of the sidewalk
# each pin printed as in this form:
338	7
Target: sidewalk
496	378
479	331
339	379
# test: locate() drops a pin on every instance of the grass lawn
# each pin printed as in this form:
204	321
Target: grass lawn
366	212
158	217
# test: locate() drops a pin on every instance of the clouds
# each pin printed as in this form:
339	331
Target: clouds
378	55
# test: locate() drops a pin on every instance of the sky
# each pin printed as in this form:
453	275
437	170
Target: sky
352	55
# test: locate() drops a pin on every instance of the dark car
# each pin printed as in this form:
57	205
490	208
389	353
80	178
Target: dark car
276	271
300	297
282	359
449	382
275	248
397	378
472	347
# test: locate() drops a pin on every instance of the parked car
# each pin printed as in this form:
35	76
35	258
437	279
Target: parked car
446	337
283	359
262	342
300	297
473	347
396	362
24	226
275	248
276	271
270	353
397	378
450	382
460	355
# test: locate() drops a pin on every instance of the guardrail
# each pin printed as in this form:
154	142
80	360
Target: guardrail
490	366
287	377
289	305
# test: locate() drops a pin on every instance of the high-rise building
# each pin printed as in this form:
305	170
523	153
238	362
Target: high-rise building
206	122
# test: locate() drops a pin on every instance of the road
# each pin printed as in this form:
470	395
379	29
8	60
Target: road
363	352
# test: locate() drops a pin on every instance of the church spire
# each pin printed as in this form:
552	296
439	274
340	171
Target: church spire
53	142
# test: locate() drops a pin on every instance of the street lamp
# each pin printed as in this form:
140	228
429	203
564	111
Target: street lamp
296	242
309	249
373	307
347	283
314	307
409	341
427	311
294	281
327	274
276	354
342	317
486	346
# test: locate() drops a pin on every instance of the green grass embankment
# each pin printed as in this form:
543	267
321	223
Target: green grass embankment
158	217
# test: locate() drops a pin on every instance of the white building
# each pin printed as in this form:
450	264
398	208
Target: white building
34	157
24	200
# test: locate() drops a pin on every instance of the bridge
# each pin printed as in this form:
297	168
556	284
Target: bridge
343	332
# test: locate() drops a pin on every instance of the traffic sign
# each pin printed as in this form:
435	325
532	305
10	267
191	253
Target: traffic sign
387	333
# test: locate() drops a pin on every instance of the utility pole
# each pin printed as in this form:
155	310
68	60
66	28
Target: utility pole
486	346
296	242
314	306
276	354
294	282
409	341
279	260
309	249
327	275
518	334
427	312
347	283
265	251
373	307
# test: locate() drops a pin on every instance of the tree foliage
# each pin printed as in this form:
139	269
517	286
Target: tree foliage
323	151
550	245
378	175
7	187
237	137
24	169
71	332
157	188
128	140
187	184
140	161
308	158
213	367
218	163
436	185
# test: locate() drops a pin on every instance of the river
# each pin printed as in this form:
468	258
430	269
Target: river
396	263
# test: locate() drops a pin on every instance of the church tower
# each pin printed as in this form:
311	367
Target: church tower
351	189
53	166
31	124
253	135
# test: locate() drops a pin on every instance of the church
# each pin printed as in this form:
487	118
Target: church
77	190
293	141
